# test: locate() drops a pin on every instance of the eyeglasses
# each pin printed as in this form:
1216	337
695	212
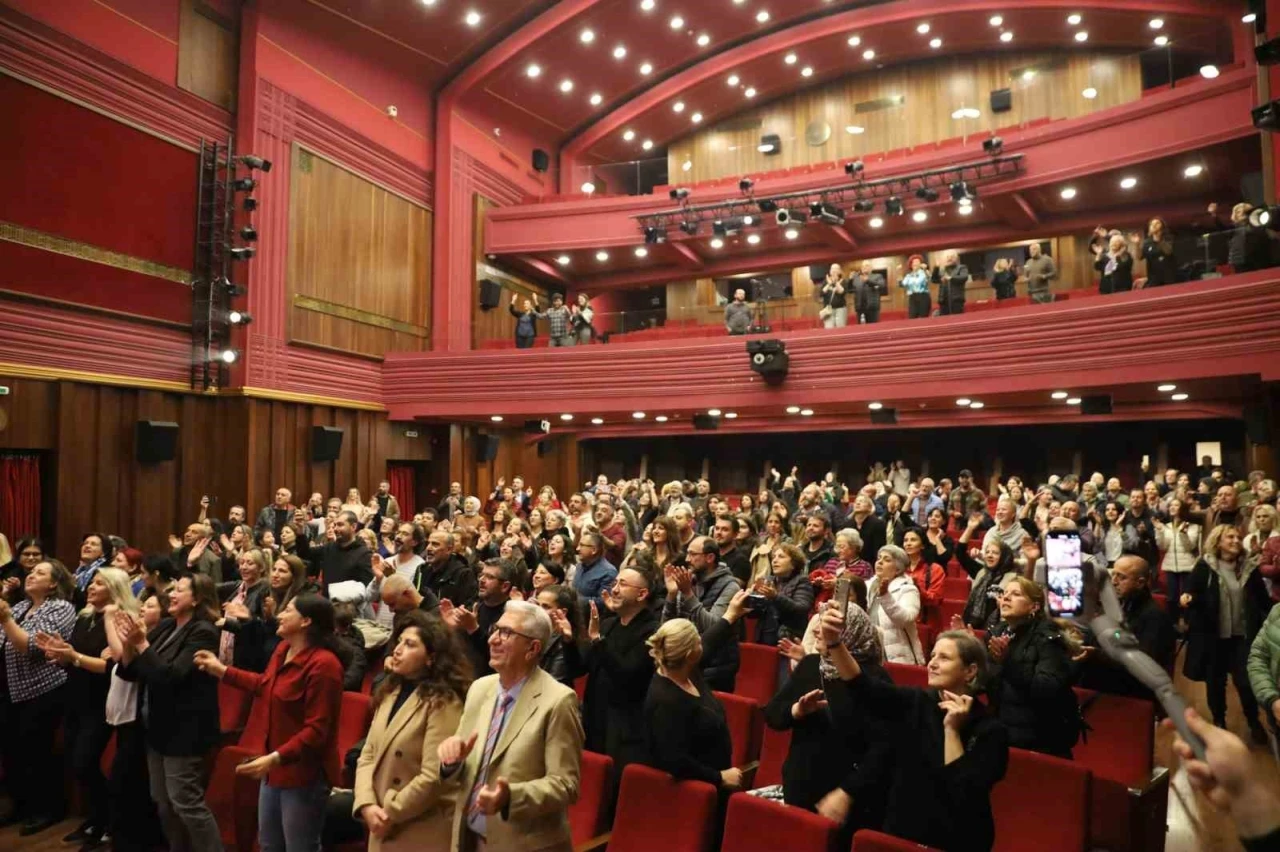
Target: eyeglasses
624	584
504	634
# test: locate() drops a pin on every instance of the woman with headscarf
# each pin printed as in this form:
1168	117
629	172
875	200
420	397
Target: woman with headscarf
893	603
989	574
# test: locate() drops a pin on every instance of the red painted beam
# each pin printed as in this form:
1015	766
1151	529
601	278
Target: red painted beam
547	271
685	256
1015	211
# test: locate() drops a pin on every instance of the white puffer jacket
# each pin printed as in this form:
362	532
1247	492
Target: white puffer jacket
894	614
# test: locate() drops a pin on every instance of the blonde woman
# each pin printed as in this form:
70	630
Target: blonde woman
773	534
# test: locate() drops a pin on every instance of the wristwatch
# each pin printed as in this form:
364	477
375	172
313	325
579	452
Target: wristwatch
75	661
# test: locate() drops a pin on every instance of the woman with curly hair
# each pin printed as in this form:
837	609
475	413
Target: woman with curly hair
398	793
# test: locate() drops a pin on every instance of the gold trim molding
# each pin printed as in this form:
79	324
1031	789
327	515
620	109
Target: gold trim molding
31	238
304	398
320	306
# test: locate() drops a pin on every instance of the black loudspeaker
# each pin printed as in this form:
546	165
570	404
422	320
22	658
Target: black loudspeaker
1001	100
537	427
541	160
544	447
1257	422
705	421
326	443
818	272
490	294
486	448
156	441
1097	404
769	358
885	416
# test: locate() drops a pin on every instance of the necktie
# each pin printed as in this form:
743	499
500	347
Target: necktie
490	742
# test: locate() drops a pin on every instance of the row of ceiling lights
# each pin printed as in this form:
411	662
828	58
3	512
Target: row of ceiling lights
1128	182
635	415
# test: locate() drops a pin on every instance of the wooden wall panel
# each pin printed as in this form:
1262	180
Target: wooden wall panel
496	323
932	91
359	264
209	53
559	468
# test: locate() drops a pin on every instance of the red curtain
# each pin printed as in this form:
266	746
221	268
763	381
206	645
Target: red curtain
403	478
19	496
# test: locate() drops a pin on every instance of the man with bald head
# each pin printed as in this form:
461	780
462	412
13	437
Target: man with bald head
737	314
952	277
1146	619
446	574
275	516
195	555
867	285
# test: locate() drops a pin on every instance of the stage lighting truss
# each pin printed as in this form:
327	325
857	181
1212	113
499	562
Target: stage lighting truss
831	205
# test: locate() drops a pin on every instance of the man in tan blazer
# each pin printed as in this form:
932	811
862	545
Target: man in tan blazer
518	750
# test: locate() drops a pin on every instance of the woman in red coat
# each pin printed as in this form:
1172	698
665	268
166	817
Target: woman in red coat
293	724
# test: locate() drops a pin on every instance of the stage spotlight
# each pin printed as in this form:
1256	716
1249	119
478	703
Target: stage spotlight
228	356
893	206
960	191
252	162
679	193
790	217
927	193
244	184
242	252
239	318
745	185
1265	217
864	205
826	212
993	146
250	204
249	234
767	205
233	290
1267	117
654	235
853	168
690	227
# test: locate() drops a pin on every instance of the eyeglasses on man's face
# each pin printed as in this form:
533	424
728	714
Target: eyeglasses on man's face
505	633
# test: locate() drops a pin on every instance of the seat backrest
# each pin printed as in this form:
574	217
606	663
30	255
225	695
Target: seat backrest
1042	803
756	824
233	707
905	675
956	588
745	725
688	811
757	672
774	746
588	815
1120	745
353	721
233	799
867	840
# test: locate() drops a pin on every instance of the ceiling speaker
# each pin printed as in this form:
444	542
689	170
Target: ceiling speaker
1096	404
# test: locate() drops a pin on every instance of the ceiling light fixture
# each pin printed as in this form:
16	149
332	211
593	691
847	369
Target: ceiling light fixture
646	68
996	20
1074	20
677	22
703	40
919	216
713	412
868	54
1161	40
1006	36
647	5
791	233
1059	395
750	92
1068	193
875	406
620	52
790	59
806	71
1179	397
923	29
1082	36
1090	93
854	41
563	260
733	80
935	43
964	400
596	99
533	71
587	36
678	106
629	135
876	222
566	417
1166	388
965	209
806	412
686	165
1156	23
588	187
731	415
566	86
975	404
639	415
1249	18
1075	400
762	16
661	418
641	251
496	418
602	256
472	19
696	118
753	239
793	409
597	421
1209	72
1193	171
716	243
854	129
1128	183
647	144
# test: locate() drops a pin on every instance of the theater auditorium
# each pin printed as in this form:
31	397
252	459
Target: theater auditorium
633	425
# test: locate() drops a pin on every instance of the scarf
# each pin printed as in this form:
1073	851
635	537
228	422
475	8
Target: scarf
84	574
859	636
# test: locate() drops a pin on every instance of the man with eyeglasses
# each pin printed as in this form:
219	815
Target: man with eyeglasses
516	758
619	669
474	624
701	593
594	573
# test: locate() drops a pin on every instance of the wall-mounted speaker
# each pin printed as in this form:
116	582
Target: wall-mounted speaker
544	447
1001	100
486	448
155	441
326	443
541	160
885	416
1096	404
705	421
490	294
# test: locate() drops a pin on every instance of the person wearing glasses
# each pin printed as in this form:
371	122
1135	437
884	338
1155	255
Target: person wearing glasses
515	762
701	593
495	578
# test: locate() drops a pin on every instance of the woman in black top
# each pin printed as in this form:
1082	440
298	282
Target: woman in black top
989	573
687	732
1116	266
1157	251
938	546
1004	279
242	602
948	752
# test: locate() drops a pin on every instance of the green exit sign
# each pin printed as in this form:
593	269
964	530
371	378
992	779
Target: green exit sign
4	390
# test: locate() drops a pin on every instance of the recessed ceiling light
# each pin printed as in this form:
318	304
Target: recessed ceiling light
854	41
629	135
1082	36
1249	18
1059	394
733	80
1068	193
875	406
596	98
964	400
647	5
1074	20
496	418
1161	40
1075	400
793	409
876	222
566	417
472	19
597	421
806	412
753	239
696	117
1193	171
533	70
620	52
1006	36
704	40
587	36
731	415
1166	388
1129	183
790	59
647	144
661	418
639	415
714	412
750	92
923	29
868	54
641	251
1209	72
566	86
935	43
976	404
806	71
854	129
588	187
602	255
563	260
1156	23
1090	93
919	216
762	16
678	106
996	20
646	68
1178	397
677	22
716	243
791	233
686	165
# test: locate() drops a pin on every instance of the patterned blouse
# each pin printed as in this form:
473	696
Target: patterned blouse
30	674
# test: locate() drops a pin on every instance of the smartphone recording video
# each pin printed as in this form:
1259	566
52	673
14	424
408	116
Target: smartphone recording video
1064	574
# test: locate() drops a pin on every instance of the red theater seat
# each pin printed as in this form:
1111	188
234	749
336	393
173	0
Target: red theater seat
233	800
757	672
956	589
1042	804
904	675
1130	798
745	725
774	746
867	840
353	723
589	815
687	809
753	824
233	711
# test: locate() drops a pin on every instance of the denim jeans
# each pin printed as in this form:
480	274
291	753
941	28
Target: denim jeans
291	819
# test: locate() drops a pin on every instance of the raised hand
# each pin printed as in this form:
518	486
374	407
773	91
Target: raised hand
231	609
811	702
832	625
684	580
669	578
737	606
454	750
593	624
379	568
209	663
268	607
561	623
791	649
957	708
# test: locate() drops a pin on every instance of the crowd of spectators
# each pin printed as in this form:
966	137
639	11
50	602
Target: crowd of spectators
482	609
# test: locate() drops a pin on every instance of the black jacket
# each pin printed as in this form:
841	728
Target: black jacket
1202	616
562	660
866	293
1154	631
619	669
455	580
1162	268
944	805
1005	284
337	563
180	702
871	530
739	564
1119	281
250	652
1031	692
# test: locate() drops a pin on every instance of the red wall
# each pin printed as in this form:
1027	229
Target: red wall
139	33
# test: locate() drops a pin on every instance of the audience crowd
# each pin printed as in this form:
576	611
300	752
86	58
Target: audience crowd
470	623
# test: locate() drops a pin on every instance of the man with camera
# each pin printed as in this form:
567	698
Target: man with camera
835	308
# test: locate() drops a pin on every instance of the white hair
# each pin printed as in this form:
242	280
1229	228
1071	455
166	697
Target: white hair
535	621
850	535
675	507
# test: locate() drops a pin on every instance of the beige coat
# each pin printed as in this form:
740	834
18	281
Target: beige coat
399	770
539	754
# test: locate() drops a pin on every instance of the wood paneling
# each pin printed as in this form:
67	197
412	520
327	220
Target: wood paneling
559	467
359	264
496	323
208	53
932	92
236	449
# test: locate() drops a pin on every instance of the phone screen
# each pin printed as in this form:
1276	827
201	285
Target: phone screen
841	597
1064	574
